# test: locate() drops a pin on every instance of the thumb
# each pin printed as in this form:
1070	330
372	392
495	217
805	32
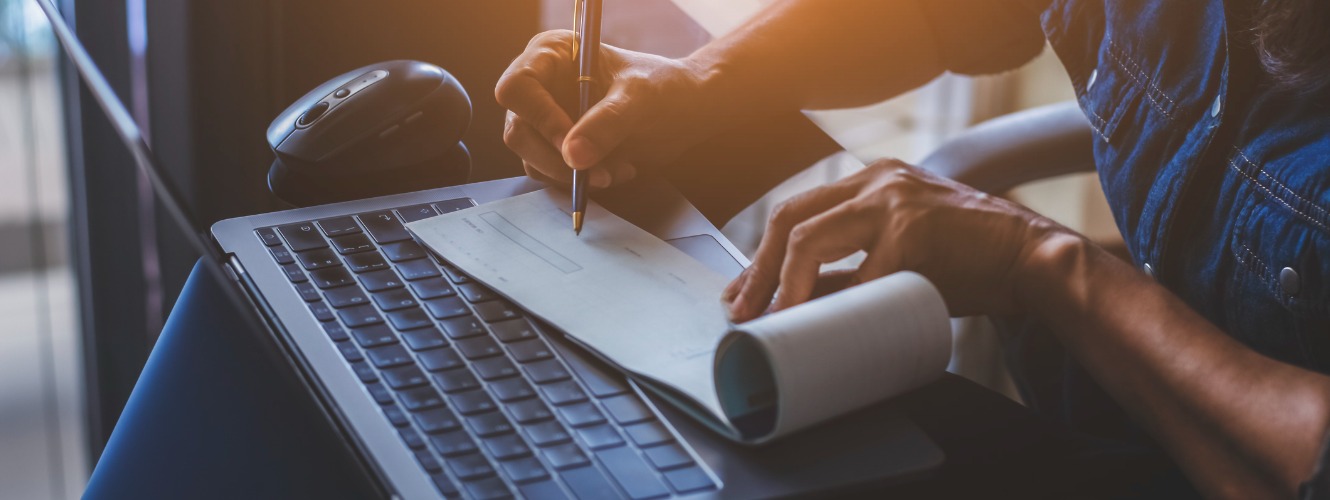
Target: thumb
600	131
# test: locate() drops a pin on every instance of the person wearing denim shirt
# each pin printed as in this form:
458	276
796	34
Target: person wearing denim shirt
1212	141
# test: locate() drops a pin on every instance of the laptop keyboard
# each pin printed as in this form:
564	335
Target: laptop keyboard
490	407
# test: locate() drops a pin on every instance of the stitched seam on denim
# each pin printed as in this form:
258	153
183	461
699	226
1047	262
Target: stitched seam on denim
1281	185
1113	46
1141	79
1262	270
1102	123
1275	196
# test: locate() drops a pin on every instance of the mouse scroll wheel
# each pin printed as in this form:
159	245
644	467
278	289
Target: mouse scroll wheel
313	113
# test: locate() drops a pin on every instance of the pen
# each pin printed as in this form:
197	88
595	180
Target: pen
586	47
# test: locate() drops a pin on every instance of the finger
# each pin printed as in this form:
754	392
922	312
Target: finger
834	281
614	170
525	87
732	291
828	237
756	291
536	154
601	130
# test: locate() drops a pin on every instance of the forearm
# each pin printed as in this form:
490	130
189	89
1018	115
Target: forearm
1239	423
814	54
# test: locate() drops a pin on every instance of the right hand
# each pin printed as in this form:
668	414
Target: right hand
652	111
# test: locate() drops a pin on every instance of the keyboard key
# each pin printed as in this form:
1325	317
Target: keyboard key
366	262
396	415
364	372
380	394
510	331
346	297
636	478
416	212
447	307
563	393
352	244
322	311
472	402
308	292
456	381
531	410
544	372
282	255
506	447
420	398
388	356
547	433
432	288
332	277
494	368
689	480
565	456
302	236
489	424
373	336
600	380
423	339
318	258
452	443
648	434
600	436
338	226
479	347
403	251
470	466
437	420
453	205
375	281
409	319
475	292
418	270
392	300
669	456
589	482
350	352
455	275
463	327
294	273
411	438
524	470
404	377
336	332
384	226
444	485
428	462
359	316
627	409
440	359
497	310
490	488
527	351
512	389
267	236
582	414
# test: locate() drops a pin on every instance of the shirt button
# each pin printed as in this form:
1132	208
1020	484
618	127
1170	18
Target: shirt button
1149	270
1219	103
1288	280
1094	75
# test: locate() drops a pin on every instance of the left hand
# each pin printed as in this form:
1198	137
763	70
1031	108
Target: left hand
972	246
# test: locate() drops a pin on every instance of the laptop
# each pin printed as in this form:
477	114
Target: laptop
443	389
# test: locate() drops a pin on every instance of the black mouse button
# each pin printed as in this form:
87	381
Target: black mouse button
312	114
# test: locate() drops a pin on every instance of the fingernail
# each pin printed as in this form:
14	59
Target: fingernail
579	153
600	178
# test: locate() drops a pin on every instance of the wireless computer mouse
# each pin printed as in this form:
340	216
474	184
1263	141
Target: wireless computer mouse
388	127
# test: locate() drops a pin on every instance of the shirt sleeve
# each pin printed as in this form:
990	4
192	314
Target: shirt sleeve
978	37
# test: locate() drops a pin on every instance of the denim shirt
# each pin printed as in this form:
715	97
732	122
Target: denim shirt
1220	185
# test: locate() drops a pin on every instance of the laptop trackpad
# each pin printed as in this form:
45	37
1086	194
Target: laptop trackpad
710	253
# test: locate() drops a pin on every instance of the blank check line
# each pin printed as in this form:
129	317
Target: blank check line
518	236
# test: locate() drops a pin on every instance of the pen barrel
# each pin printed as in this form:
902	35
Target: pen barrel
588	37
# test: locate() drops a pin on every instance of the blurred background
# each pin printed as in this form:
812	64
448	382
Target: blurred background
88	271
